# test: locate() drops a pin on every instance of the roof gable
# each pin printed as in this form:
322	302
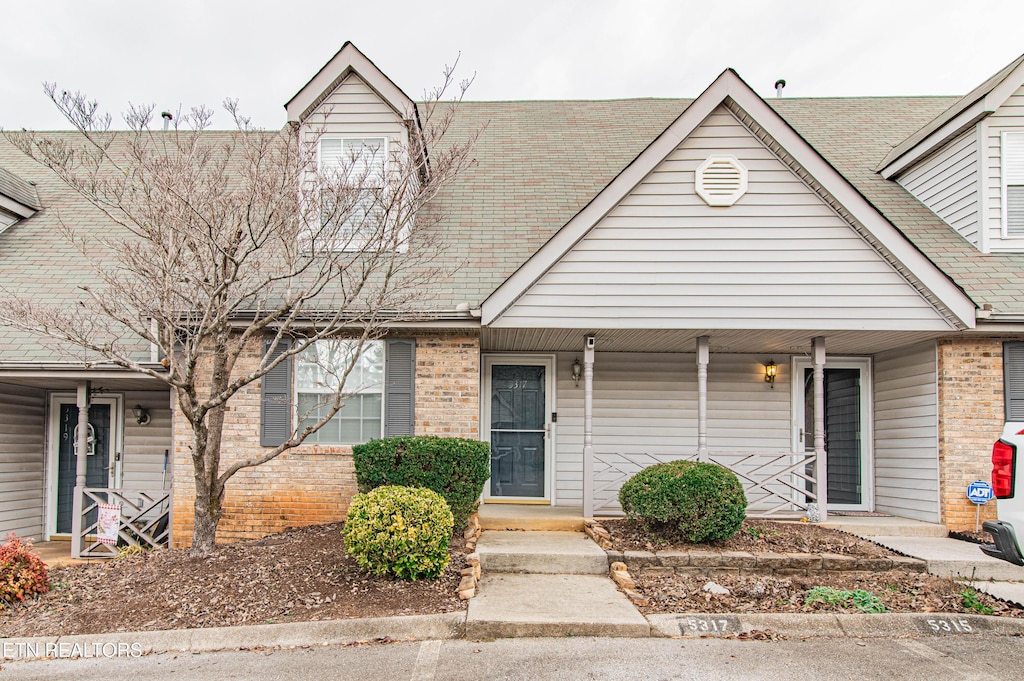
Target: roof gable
977	104
346	61
730	90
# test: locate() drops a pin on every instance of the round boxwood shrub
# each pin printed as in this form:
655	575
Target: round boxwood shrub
455	468
697	502
403	531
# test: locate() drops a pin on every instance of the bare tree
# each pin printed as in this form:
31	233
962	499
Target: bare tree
219	240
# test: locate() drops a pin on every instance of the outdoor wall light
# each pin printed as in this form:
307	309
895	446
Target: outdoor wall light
141	415
577	371
771	370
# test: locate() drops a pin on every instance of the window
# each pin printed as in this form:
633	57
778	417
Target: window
1013	184
1013	380
320	369
357	163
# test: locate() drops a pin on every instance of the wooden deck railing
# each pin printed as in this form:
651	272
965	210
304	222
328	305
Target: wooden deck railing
145	515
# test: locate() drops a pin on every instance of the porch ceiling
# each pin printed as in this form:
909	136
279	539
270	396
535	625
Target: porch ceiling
68	381
684	340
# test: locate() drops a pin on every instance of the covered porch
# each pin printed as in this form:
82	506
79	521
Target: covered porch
575	414
73	439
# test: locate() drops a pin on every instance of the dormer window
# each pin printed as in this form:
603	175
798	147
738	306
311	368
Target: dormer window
351	199
1013	184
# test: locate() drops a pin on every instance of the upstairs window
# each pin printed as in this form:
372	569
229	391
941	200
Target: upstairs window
353	169
1013	184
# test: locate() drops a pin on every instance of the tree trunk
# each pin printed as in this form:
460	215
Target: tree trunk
204	531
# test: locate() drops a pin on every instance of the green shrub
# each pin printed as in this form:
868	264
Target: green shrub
453	467
402	531
22	572
697	502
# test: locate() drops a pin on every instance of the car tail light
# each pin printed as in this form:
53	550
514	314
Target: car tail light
1004	460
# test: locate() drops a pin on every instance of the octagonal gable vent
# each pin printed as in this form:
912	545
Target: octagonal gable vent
721	180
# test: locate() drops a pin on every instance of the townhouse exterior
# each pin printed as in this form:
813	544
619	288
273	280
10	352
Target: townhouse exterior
824	295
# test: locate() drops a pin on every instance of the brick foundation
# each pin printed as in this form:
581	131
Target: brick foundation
314	483
971	416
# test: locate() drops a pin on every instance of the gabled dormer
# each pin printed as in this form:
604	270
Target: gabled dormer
967	165
18	199
364	128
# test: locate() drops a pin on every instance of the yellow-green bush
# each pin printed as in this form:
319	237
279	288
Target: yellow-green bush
403	531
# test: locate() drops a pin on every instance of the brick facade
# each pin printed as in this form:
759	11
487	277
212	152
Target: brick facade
971	416
314	483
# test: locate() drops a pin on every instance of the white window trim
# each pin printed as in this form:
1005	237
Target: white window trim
1003	184
356	244
297	417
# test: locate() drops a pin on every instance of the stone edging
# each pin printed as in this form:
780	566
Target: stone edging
470	573
740	562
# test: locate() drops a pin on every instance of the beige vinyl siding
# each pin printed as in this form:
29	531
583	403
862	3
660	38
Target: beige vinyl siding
22	460
906	433
646	403
1008	117
948	184
144	446
779	258
355	110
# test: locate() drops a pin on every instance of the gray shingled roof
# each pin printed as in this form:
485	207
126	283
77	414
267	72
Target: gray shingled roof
539	163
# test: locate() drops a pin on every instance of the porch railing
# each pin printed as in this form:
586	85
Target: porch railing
776	483
144	519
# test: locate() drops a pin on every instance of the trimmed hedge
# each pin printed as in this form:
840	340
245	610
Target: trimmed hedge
455	468
698	502
404	531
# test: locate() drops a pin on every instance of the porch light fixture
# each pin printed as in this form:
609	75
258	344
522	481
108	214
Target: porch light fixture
577	371
141	415
771	370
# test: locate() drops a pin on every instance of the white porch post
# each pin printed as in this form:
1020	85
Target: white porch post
81	463
703	356
820	466
588	427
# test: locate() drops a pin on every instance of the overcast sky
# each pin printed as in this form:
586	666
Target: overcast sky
185	52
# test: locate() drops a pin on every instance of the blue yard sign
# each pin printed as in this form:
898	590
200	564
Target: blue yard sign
980	492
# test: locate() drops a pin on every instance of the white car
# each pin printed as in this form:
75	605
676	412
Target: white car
1007	466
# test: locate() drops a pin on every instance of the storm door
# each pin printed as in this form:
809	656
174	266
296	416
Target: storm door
847	432
101	462
518	409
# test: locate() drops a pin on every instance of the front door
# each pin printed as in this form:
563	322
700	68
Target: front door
518	408
100	458
847	429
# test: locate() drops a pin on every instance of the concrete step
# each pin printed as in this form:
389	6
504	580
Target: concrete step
954	558
534	517
508	605
885	526
567	553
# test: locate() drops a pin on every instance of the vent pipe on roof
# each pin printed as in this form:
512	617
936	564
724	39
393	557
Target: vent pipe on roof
779	84
166	115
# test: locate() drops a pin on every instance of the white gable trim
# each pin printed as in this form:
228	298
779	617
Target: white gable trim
347	60
984	106
903	255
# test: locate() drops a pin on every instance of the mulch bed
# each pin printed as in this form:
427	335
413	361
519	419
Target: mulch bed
899	590
298	575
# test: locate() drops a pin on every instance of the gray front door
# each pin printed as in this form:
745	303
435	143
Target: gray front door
842	433
97	468
518	430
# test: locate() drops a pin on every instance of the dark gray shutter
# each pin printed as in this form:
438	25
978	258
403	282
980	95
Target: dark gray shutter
399	386
1013	380
276	397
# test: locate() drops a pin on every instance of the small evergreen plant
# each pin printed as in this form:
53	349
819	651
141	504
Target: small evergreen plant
22	572
693	501
402	531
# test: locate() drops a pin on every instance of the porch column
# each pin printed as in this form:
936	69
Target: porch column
820	466
703	356
81	463
588	427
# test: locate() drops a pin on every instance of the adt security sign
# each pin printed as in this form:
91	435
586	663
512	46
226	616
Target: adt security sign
980	492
